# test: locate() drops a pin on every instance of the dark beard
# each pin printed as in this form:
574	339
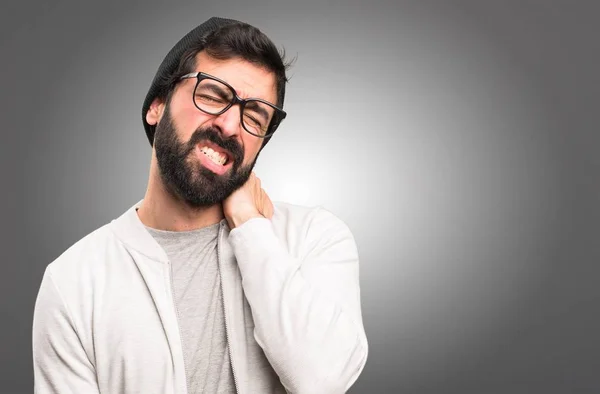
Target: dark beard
182	173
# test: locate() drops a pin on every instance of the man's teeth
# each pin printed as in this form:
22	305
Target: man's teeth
214	156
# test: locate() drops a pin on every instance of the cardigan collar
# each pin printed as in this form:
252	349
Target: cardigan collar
131	231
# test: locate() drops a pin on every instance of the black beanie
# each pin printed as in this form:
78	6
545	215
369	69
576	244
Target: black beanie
171	61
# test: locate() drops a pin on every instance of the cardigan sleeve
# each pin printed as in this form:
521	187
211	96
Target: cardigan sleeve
60	364
306	309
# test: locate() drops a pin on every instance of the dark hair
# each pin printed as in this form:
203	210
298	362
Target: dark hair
234	40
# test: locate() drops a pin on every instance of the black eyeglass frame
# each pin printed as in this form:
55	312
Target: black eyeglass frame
278	115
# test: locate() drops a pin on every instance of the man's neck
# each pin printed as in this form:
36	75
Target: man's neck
160	210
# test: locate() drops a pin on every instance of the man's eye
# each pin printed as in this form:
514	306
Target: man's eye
252	121
205	98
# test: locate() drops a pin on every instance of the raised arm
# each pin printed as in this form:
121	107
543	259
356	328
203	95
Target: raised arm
306	309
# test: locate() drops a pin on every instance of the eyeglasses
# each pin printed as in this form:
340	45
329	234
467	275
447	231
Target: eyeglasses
215	96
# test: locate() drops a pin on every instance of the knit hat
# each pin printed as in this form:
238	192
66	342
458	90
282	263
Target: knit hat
171	62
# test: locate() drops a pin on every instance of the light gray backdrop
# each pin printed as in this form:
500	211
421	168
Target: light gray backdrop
457	139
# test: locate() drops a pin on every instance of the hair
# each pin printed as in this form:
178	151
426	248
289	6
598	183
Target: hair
235	40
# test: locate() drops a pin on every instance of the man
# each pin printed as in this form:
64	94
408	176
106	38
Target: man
205	285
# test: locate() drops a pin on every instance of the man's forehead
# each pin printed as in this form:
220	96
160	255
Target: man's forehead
248	79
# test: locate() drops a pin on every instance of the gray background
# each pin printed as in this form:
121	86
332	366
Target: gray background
458	140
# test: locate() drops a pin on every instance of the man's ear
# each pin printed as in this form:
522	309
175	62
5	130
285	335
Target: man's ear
155	112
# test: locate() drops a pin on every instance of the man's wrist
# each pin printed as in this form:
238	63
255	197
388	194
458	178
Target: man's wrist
239	219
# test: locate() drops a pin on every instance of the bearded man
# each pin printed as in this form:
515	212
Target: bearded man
205	285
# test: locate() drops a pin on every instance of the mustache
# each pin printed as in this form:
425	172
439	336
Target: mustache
211	134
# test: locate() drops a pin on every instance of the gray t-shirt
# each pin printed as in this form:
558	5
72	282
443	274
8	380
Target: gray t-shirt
199	304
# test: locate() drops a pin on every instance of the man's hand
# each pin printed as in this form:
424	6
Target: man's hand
249	201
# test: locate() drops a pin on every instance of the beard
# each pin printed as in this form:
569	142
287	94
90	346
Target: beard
182	173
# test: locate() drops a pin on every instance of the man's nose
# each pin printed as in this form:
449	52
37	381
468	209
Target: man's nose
229	121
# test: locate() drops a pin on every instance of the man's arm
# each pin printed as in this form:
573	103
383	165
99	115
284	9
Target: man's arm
307	313
60	363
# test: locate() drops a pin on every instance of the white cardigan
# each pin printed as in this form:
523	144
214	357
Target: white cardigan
105	321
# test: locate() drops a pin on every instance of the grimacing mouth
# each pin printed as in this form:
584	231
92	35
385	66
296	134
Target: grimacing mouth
215	156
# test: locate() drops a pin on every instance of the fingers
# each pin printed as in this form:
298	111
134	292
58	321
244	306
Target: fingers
257	184
263	202
267	205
